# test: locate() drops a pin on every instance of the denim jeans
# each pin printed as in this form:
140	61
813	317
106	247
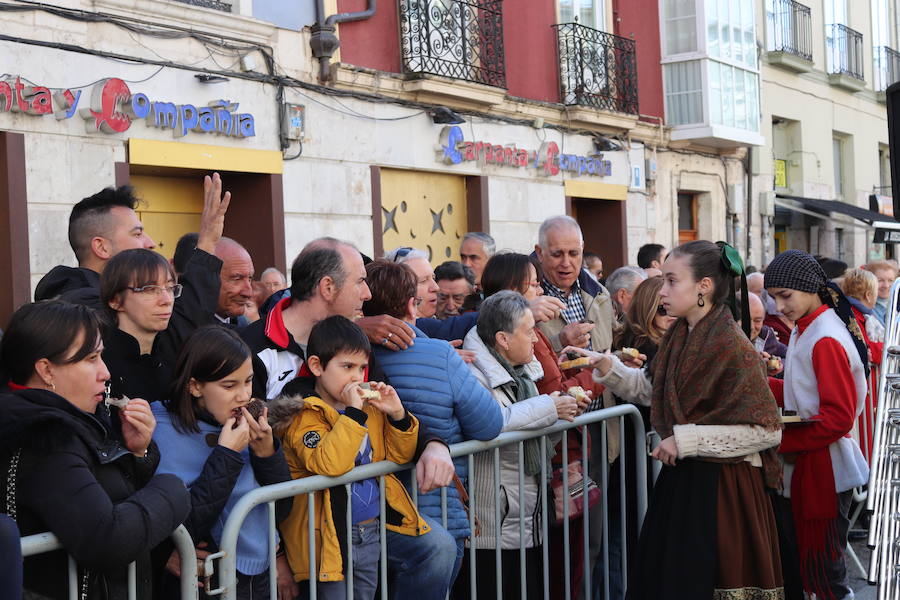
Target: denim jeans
365	566
421	566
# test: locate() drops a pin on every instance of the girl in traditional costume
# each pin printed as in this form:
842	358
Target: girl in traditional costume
709	531
825	384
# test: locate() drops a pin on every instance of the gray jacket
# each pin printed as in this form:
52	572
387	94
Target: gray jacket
532	413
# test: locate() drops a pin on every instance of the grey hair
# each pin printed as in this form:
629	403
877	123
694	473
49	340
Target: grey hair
273	270
557	222
414	253
500	312
490	246
625	278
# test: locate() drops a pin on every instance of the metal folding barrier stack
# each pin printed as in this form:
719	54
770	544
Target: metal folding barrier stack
884	480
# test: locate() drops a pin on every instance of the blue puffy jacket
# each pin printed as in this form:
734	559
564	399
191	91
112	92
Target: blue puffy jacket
439	389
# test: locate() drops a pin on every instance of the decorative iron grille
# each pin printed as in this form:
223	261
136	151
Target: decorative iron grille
216	4
597	69
887	67
462	39
790	26
845	49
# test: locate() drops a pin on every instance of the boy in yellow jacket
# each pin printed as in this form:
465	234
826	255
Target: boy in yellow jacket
329	433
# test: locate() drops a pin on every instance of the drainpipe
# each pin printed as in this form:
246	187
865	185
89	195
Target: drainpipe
323	40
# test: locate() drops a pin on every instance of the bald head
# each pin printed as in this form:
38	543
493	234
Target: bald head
236	285
755	282
757	314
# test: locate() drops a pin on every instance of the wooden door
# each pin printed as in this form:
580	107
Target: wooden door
170	207
425	211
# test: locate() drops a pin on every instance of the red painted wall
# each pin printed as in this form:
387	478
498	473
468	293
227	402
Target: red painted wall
640	21
374	43
532	69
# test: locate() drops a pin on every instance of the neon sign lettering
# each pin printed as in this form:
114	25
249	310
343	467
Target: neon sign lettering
113	108
547	160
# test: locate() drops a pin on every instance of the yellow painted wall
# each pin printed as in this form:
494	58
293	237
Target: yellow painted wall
425	211
170	207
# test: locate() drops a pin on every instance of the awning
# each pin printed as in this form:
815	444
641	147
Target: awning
823	209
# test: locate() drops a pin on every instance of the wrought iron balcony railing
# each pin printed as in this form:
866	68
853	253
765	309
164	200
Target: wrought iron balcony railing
462	39
845	50
790	28
216	4
597	69
887	67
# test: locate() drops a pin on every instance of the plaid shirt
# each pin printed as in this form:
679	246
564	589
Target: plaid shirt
574	312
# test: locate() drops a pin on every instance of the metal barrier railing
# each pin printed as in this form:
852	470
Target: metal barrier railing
225	560
884	480
41	543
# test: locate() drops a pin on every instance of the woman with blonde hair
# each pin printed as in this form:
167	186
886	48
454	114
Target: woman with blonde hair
861	288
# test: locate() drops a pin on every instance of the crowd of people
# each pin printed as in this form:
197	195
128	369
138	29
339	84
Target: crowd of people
140	394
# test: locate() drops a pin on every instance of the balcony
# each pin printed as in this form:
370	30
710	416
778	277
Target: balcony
789	35
845	57
459	39
597	69
214	4
887	69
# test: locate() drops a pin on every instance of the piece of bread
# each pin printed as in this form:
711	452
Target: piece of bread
584	361
774	363
367	393
791	418
120	403
254	407
577	392
630	352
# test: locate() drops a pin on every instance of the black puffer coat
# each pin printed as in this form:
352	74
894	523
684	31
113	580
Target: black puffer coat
77	480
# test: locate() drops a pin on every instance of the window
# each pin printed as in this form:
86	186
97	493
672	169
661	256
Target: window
680	26
884	171
838	156
587	12
716	84
687	217
684	92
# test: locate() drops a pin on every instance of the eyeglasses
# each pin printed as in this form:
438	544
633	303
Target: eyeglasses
661	311
157	290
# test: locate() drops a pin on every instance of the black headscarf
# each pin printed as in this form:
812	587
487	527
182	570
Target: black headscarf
797	270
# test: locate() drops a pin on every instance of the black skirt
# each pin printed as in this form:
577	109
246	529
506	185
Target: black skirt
709	533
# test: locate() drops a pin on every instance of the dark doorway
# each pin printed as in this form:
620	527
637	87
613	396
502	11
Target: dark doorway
605	230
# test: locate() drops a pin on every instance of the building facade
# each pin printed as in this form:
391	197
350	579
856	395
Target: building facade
823	173
409	124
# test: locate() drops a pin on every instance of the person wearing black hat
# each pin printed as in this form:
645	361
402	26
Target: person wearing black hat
825	384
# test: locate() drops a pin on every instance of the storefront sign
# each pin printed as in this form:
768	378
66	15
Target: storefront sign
780	173
548	160
113	108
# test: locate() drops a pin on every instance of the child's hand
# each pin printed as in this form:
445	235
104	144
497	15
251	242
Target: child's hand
389	402
351	395
237	438
261	442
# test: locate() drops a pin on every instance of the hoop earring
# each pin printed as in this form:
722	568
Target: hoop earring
700	300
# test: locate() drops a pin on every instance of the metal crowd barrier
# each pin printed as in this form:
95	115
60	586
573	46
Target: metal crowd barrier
41	543
884	480
224	561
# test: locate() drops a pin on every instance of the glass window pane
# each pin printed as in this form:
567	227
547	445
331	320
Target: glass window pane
684	95
686	212
728	95
681	26
752	101
740	100
712	29
715	92
566	11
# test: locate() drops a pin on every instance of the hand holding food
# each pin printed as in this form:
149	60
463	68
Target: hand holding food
582	397
385	399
